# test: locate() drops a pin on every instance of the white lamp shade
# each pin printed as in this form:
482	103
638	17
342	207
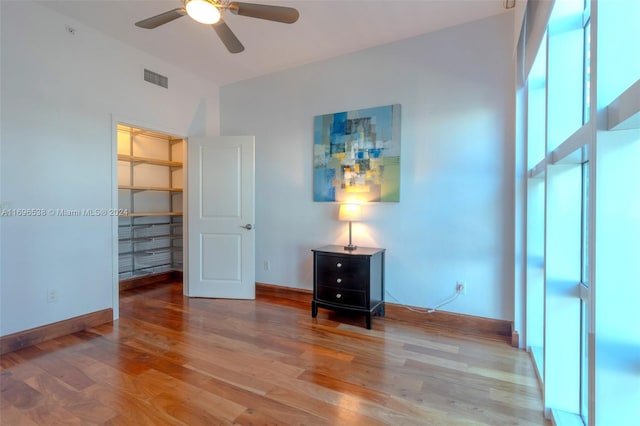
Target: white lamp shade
349	212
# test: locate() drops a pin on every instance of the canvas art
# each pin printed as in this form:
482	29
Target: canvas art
357	155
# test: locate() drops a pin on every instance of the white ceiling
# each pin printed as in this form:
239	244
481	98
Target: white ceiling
326	28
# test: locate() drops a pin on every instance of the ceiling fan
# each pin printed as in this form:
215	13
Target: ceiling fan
211	11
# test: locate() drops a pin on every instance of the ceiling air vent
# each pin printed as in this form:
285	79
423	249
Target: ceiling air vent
155	78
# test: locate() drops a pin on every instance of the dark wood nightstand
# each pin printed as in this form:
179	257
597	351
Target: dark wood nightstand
348	280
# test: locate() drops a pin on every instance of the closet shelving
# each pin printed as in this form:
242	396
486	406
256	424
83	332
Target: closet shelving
150	172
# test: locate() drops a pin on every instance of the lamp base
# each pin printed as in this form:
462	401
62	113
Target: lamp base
350	247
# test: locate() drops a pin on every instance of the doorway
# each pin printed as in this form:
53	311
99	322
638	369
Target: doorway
150	179
151	233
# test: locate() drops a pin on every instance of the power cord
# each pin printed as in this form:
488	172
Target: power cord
428	310
449	300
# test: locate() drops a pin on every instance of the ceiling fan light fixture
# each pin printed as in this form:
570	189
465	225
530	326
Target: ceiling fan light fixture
203	11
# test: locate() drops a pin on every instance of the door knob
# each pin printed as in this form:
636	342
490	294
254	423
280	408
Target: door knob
247	226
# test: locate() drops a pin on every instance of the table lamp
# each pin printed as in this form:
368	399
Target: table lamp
349	213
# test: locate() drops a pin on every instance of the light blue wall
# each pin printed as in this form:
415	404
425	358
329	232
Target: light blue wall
60	96
455	219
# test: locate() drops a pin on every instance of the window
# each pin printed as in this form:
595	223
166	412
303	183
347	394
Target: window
582	182
558	220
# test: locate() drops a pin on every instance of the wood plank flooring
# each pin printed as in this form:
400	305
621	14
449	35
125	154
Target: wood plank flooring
171	360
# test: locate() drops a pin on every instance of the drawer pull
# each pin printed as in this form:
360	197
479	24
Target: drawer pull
339	265
339	280
338	296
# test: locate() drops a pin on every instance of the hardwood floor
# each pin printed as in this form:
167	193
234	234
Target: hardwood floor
171	360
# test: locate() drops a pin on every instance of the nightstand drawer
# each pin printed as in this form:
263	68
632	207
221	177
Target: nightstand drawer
342	297
345	281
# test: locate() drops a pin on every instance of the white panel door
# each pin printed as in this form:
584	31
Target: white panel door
221	245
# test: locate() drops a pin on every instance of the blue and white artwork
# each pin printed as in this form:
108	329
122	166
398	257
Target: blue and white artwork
356	155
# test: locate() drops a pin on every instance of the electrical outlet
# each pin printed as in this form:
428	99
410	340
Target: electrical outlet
52	295
267	265
461	287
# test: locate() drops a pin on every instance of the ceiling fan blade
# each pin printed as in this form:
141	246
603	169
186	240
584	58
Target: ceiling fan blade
227	36
163	18
286	15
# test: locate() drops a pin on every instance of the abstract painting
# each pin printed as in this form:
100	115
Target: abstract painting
356	155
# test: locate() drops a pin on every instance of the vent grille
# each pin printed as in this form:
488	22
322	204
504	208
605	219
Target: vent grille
155	78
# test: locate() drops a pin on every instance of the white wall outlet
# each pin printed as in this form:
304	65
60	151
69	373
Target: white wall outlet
267	265
461	287
52	295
